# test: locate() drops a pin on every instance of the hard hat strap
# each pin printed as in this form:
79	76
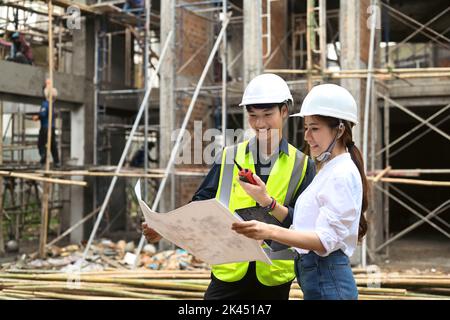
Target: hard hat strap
324	156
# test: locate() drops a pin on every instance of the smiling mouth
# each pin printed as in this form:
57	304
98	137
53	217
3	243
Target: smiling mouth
263	131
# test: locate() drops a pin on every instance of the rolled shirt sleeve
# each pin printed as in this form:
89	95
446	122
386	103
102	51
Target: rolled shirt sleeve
339	214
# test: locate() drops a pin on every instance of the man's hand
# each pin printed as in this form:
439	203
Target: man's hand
35	117
151	235
257	192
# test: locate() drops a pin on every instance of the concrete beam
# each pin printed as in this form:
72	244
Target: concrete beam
419	102
27	81
420	88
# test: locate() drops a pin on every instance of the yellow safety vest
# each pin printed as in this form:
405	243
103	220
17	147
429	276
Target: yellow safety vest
284	181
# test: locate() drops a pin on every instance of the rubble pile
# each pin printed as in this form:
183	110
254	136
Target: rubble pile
106	255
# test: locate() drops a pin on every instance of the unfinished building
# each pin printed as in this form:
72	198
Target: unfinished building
109	64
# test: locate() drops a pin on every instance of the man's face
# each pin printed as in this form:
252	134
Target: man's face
267	123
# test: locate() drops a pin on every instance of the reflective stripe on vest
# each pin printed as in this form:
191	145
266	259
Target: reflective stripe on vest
284	180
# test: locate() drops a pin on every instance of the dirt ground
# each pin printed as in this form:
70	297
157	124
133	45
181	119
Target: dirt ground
420	253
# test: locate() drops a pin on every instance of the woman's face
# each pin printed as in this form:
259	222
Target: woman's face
318	135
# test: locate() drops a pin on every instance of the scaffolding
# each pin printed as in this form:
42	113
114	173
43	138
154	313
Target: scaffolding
310	39
28	173
378	154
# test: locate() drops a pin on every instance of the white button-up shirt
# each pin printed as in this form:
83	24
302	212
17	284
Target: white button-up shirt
331	206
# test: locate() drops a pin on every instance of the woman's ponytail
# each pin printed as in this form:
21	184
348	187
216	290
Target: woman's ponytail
358	160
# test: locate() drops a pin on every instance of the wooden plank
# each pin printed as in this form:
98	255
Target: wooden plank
67	3
39	178
103	8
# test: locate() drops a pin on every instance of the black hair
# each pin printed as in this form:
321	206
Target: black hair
269	105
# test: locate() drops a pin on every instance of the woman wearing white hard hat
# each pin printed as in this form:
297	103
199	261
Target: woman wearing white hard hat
328	217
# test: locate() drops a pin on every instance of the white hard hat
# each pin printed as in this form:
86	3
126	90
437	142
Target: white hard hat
266	88
329	100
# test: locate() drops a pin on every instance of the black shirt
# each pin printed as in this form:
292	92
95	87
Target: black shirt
208	188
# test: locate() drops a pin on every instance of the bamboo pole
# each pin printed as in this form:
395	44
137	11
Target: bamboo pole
40	295
403	276
76	225
422	71
309	40
30	176
68	231
114	290
46	187
382	173
88	290
101	279
402	282
413	181
2	242
55	286
411	172
103	174
137	272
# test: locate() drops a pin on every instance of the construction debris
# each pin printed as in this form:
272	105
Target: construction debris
171	274
106	255
173	260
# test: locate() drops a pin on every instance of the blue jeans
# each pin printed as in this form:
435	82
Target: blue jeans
325	278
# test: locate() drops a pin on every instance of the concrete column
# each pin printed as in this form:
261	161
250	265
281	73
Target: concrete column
349	37
77	154
167	97
354	36
253	62
82	126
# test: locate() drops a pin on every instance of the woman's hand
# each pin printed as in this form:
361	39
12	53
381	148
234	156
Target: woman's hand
253	229
151	235
257	192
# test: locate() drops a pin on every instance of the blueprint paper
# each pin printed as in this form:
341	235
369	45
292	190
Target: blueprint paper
203	228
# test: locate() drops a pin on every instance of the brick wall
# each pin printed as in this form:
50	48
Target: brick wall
364	30
278	32
193	32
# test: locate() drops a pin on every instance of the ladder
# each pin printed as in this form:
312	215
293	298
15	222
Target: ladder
316	37
298	41
267	35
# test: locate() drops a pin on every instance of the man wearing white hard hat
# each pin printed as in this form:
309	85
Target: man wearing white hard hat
281	173
328	217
